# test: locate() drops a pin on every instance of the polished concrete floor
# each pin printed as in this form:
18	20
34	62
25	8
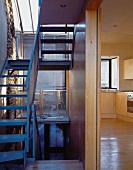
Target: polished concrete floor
116	145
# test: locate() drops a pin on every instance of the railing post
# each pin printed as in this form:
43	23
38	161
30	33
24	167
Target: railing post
34	135
40	2
17	47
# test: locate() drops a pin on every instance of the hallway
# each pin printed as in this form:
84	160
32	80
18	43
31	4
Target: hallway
116	145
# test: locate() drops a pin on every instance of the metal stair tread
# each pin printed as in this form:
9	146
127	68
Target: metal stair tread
56	29
7	138
13	76
16	68
13	107
50	41
56	51
13	122
13	95
12	85
11	155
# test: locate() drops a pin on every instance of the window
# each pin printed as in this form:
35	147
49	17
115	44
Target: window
109	73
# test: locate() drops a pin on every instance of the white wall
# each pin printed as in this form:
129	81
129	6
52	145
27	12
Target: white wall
124	51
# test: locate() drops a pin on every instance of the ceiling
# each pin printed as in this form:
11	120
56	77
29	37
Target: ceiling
117	21
117	17
61	11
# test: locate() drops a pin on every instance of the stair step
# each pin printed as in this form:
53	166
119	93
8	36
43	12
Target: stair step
8	138
56	29
16	68
13	76
19	63
12	155
55	65
12	85
56	51
13	122
50	41
13	107
13	95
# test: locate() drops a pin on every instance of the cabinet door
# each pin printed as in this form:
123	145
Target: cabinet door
128	69
107	103
121	103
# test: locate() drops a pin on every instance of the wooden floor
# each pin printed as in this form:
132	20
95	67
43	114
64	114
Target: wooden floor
116	145
116	149
55	165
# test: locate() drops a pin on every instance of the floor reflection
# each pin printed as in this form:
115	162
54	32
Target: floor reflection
116	145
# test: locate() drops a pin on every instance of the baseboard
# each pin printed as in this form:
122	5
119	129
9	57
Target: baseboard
108	115
125	118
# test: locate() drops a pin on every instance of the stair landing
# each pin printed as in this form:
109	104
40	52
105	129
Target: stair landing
55	165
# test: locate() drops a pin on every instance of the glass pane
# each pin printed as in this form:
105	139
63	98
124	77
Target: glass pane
16	16
114	73
105	73
25	15
34	9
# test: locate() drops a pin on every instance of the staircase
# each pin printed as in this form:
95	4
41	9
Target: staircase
9	109
17	115
51	58
57	46
24	90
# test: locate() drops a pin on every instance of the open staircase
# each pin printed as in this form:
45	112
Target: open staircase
56	59
25	90
9	119
16	99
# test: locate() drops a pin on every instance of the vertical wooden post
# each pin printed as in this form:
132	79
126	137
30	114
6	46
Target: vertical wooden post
93	88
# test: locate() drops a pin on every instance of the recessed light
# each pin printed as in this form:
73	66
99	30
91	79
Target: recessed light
63	5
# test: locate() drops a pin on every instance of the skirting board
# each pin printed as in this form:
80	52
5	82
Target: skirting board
126	118
108	115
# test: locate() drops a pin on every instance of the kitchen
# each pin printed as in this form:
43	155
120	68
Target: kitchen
118	102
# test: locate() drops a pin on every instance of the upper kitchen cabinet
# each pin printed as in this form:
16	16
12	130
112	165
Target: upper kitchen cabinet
128	69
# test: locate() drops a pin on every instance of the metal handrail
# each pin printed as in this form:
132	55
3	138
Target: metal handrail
32	77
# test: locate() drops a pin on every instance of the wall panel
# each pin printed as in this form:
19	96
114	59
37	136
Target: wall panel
77	96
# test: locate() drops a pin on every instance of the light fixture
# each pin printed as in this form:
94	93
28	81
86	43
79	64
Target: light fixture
114	25
63	5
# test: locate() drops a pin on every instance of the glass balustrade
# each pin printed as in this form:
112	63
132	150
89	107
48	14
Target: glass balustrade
51	103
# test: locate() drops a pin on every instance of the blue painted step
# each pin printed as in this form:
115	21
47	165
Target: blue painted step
13	95
8	138
13	122
13	107
16	68
12	85
13	76
12	155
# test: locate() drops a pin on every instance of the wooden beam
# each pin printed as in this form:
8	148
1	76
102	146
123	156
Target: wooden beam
92	91
93	4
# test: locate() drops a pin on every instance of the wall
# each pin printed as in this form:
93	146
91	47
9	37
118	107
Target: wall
124	51
3	46
77	96
3	34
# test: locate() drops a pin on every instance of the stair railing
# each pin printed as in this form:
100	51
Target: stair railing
36	148
32	78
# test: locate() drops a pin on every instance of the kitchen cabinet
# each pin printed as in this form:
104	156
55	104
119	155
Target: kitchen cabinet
108	105
128	69
121	103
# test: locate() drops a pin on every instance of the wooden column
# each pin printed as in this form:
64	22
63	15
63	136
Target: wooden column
93	88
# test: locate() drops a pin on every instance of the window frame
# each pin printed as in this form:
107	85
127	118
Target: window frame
110	72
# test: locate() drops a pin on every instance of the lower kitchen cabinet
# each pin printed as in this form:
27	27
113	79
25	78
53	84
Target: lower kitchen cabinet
108	105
